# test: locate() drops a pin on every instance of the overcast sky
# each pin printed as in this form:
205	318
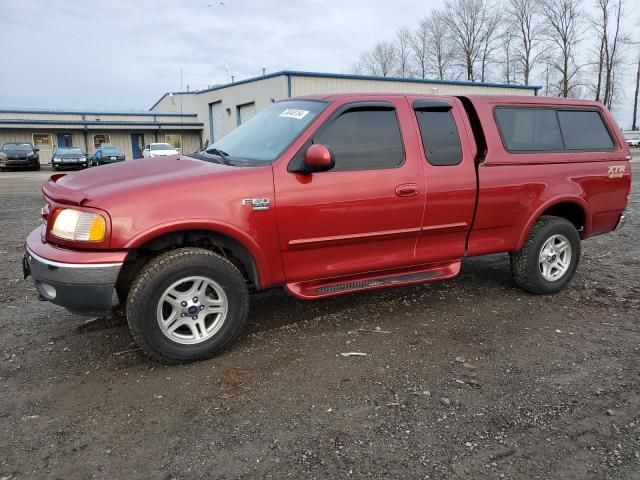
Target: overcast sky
124	54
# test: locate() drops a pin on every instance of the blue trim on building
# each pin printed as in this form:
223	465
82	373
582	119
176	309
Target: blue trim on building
295	73
123	114
90	123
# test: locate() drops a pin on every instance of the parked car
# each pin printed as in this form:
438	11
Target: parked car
19	155
329	195
158	150
634	141
69	157
106	154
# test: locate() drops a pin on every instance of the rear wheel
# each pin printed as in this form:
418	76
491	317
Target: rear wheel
186	305
549	257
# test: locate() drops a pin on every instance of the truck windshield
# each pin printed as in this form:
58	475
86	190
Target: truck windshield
265	136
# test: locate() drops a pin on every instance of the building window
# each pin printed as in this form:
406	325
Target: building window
100	139
43	141
173	139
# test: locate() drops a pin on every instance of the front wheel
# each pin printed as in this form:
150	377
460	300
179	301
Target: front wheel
187	304
549	257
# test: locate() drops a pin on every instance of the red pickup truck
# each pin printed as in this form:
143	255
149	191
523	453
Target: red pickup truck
326	195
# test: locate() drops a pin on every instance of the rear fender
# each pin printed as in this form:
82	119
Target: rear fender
579	201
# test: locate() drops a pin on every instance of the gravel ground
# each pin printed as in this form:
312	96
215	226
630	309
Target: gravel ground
465	379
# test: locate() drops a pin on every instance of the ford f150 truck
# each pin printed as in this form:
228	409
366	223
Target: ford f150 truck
326	195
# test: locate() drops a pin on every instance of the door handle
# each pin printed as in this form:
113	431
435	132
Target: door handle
407	190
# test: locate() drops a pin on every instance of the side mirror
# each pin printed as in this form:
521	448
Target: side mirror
36	149
318	158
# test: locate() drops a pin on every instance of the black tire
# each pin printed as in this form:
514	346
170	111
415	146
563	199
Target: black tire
37	167
158	275
525	264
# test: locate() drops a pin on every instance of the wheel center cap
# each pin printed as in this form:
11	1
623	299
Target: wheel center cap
192	310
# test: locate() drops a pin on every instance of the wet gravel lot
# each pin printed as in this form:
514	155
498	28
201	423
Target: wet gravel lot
466	379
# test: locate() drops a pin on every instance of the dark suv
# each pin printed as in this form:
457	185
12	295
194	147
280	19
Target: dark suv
19	155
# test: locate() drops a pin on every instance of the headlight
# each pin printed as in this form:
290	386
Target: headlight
55	159
79	226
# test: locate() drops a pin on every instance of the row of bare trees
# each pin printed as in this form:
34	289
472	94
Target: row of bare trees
571	47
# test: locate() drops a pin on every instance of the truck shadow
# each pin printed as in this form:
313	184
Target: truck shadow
274	308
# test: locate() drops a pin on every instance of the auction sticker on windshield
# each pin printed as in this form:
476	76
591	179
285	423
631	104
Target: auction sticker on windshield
294	113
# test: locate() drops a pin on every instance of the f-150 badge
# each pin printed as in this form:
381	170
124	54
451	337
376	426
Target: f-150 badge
616	171
257	203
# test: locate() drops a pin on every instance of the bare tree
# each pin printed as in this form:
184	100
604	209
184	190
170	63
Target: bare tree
523	22
611	40
509	59
467	21
420	47
440	46
562	22
489	41
380	61
403	53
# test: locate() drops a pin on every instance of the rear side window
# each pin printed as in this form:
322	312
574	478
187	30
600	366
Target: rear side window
529	129
584	130
439	137
364	139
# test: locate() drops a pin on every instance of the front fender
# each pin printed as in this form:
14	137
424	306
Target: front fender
190	224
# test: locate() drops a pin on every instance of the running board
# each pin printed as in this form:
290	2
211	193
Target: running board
389	278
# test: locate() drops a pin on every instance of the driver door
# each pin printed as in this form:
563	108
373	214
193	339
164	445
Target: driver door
365	213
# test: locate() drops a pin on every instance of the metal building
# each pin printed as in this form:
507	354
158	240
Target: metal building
224	107
128	131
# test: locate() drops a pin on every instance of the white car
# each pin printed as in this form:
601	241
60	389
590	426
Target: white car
633	141
158	150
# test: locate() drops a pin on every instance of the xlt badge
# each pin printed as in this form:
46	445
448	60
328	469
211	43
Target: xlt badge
257	203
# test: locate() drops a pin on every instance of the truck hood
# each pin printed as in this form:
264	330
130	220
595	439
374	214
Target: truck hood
81	188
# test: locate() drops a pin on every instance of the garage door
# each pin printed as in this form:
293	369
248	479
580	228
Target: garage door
245	112
216	122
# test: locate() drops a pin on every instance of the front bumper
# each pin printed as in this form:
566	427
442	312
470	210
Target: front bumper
82	288
70	162
21	163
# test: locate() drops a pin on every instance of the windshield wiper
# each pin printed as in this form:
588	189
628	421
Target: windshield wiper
223	155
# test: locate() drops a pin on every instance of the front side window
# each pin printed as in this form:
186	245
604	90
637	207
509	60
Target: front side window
364	139
439	137
584	130
529	129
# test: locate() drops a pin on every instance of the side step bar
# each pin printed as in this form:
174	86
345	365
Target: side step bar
372	280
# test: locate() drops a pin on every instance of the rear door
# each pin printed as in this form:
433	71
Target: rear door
363	215
450	175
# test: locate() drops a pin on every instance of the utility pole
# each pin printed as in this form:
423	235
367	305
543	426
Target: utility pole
635	98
